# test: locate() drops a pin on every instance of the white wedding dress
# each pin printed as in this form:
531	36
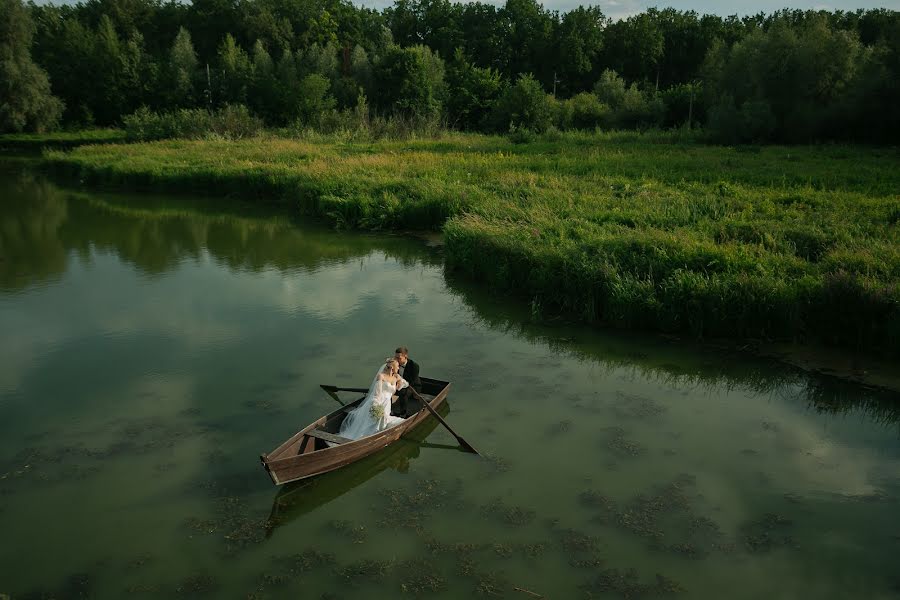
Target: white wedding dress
374	414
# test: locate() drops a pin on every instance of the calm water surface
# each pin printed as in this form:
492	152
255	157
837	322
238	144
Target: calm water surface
151	348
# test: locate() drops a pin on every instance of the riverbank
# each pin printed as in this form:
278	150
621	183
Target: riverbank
632	231
37	142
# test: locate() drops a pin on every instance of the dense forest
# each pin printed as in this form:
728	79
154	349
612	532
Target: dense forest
792	76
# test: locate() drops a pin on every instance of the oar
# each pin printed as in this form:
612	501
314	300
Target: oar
331	389
436	446
465	445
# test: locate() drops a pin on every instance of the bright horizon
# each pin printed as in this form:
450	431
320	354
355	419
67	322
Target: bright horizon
620	9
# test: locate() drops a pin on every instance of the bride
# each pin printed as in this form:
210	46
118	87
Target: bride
374	414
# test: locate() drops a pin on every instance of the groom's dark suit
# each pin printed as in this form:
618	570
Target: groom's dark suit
406	405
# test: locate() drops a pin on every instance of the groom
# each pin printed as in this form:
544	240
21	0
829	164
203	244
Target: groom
406	404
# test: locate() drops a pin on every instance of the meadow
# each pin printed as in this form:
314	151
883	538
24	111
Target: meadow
647	231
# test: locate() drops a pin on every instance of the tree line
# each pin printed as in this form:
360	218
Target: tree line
792	76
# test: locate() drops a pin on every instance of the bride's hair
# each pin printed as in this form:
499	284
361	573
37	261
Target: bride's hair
387	363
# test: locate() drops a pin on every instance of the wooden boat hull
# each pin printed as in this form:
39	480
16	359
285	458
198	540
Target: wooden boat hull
294	500
304	456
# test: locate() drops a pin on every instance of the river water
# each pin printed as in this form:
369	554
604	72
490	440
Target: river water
152	347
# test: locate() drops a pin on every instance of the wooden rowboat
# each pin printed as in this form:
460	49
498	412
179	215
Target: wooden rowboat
317	448
295	500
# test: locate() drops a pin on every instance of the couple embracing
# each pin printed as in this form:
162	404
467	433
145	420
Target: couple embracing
379	410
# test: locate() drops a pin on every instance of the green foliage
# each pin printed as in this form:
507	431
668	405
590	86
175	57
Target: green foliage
236	72
264	89
313	100
630	108
26	103
232	122
822	75
610	89
472	93
789	82
580	40
683	102
182	71
409	81
524	105
584	111
753	122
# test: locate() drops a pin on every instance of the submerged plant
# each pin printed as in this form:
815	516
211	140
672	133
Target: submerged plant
368	570
511	515
768	533
419	577
355	532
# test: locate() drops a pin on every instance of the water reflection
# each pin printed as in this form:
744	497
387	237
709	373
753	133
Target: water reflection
701	369
40	225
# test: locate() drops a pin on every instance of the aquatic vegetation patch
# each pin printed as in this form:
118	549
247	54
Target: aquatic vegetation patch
409	509
510	515
664	516
232	525
490	584
365	571
643	513
622	447
304	562
575	543
199	584
604	507
494	464
270	580
633	406
767	534
419	577
486	583
55	463
357	533
559	428
627	584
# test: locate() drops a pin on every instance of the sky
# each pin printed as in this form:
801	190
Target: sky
618	9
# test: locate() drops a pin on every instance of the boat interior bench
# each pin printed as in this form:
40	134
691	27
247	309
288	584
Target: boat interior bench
321	434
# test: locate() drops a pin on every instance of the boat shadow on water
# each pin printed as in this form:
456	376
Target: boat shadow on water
293	500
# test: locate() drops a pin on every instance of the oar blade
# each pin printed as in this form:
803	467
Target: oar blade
462	442
332	391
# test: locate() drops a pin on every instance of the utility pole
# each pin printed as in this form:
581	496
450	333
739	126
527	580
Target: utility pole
555	81
208	88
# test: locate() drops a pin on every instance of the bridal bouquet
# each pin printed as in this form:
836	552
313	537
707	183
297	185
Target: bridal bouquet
377	412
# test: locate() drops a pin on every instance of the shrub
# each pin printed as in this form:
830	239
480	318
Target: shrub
314	101
585	111
230	122
525	105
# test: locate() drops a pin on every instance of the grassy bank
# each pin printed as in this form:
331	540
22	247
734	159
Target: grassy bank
35	142
628	230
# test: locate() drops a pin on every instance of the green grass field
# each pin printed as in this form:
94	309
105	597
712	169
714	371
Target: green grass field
630	230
